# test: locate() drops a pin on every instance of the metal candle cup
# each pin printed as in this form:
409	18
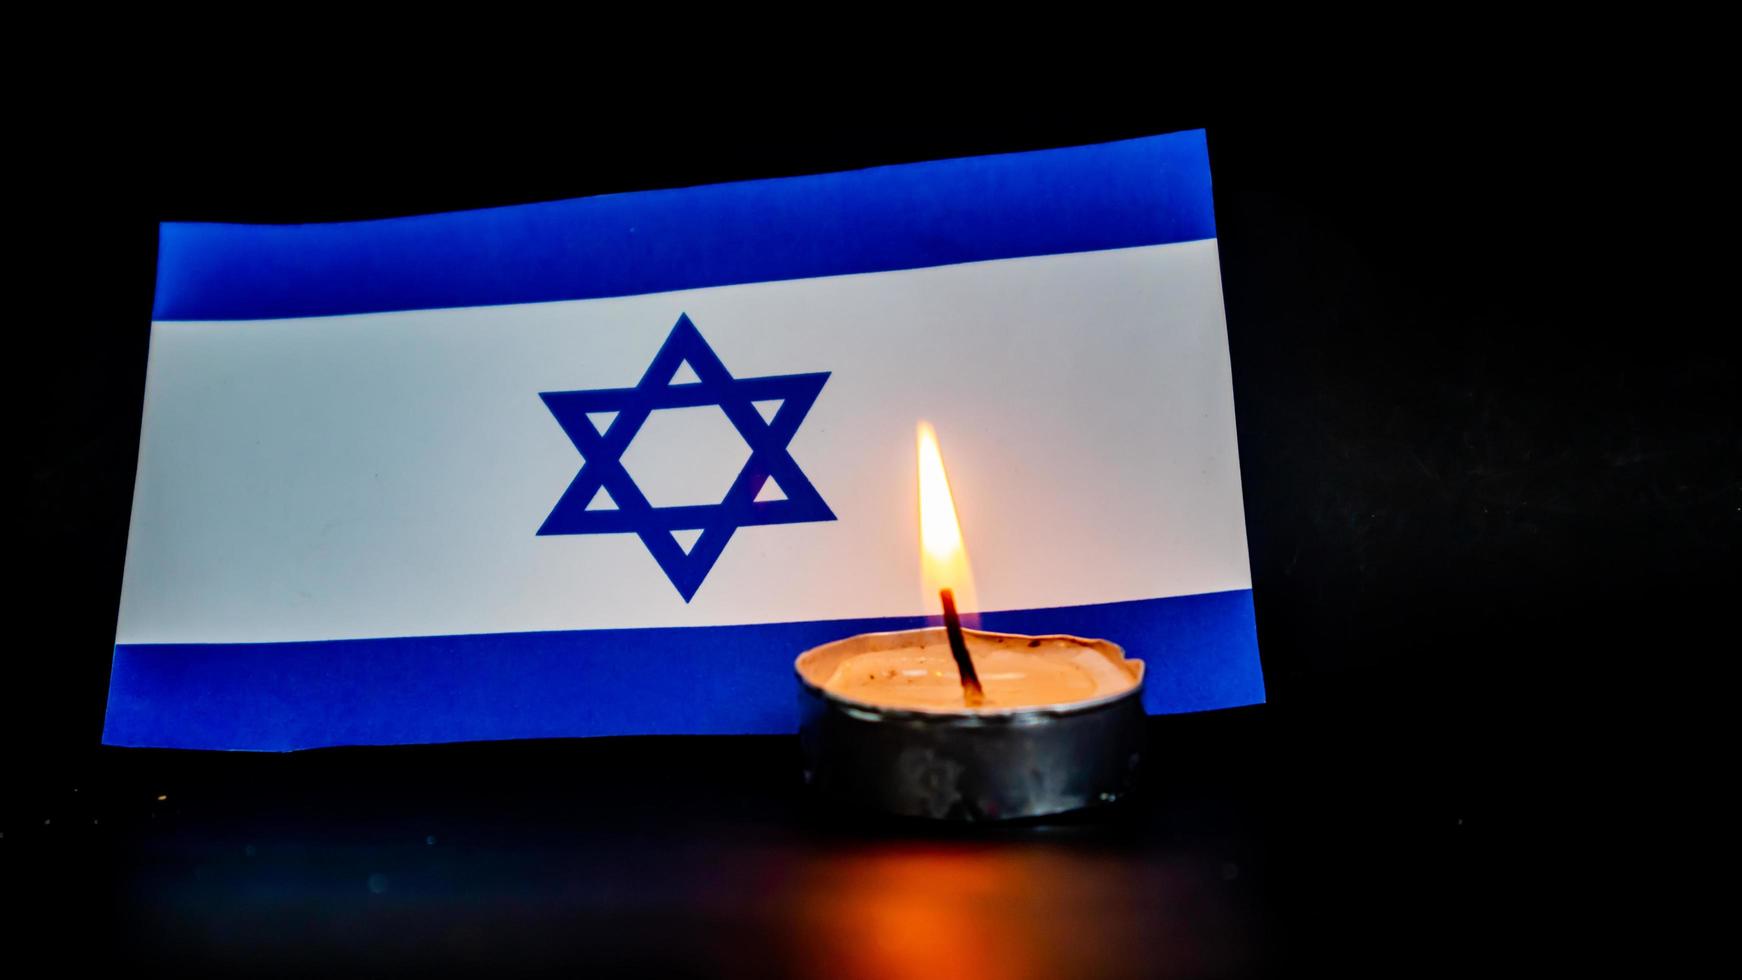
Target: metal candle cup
986	763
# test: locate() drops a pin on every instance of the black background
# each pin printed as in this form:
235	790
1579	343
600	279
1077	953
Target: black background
1491	466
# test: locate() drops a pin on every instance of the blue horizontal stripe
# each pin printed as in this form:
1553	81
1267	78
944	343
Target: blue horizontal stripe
1148	191
1202	653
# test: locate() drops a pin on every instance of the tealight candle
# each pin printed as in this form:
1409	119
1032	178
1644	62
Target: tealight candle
884	724
962	724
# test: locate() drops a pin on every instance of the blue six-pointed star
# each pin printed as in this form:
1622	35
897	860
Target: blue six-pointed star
602	453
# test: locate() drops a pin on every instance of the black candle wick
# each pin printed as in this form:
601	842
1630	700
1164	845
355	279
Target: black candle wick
972	693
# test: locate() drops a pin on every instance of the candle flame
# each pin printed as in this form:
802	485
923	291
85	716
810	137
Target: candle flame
943	558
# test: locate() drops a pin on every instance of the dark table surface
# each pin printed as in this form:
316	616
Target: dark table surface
1248	851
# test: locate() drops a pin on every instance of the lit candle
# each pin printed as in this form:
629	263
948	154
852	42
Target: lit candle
960	723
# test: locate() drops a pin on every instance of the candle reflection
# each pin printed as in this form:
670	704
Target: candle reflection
938	910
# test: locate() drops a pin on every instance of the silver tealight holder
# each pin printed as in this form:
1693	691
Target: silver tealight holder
989	762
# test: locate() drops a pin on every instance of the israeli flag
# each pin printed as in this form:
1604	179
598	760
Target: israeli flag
606	466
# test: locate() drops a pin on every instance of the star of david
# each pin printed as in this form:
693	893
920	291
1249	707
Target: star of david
602	455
